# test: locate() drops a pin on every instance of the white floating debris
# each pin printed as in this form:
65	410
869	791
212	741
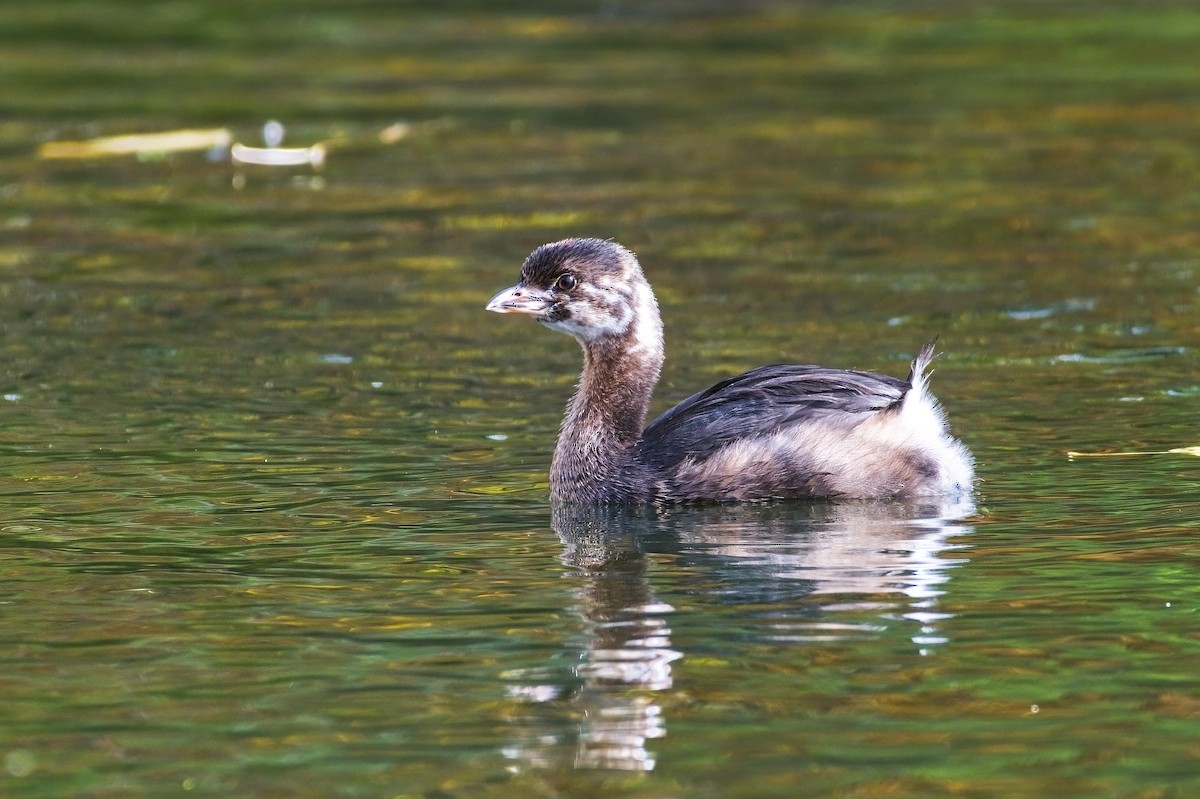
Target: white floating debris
376	384
20	762
336	357
394	133
279	156
272	133
498	437
173	141
13	397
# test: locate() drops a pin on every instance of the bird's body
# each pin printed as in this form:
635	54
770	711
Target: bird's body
783	431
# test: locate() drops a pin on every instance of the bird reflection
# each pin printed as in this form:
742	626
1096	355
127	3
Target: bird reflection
792	568
628	640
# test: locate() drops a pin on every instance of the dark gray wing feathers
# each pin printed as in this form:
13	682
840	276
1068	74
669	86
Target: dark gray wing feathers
760	402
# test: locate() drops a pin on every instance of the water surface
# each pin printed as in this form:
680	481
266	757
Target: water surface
274	514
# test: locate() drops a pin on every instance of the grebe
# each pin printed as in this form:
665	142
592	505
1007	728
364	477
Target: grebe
774	432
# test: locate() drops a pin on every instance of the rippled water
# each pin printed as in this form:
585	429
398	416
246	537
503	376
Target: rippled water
273	517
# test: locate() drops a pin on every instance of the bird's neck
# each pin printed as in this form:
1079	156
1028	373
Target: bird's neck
605	418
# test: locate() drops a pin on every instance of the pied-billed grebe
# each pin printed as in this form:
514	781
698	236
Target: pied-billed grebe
773	432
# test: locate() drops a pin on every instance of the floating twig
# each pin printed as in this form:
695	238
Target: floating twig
1072	455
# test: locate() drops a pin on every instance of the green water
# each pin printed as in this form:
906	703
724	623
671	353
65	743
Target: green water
273	514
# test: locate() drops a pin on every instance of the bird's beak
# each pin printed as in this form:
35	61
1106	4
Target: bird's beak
520	299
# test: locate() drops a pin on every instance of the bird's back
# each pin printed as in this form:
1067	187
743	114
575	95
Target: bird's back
806	431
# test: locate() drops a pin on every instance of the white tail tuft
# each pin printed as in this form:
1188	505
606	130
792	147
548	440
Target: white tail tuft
917	371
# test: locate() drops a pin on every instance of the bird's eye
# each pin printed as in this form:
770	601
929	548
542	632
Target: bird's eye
565	282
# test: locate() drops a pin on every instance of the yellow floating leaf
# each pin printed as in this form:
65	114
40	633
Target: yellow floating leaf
168	142
1186	451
